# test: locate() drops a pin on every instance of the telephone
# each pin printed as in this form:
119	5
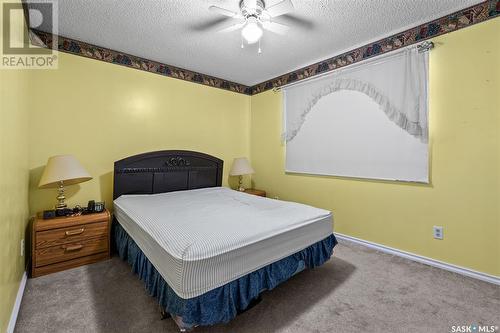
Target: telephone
94	207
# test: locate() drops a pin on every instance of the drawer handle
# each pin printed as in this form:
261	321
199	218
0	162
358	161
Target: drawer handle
75	232
73	247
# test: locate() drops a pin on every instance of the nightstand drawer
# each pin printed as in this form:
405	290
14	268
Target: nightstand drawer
53	254
70	235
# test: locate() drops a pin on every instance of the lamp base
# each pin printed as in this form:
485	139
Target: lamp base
240	184
60	197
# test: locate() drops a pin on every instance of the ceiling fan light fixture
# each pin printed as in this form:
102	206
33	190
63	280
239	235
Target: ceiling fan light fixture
252	32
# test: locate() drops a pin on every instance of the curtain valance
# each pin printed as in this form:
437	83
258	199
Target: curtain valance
397	83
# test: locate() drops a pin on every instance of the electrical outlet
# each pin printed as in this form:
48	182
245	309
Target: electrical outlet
22	247
438	232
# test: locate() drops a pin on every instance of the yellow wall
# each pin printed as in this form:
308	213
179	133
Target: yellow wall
102	113
464	196
13	180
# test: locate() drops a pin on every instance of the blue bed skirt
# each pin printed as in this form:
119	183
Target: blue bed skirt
222	304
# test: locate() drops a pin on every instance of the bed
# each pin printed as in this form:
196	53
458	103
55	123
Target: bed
206	252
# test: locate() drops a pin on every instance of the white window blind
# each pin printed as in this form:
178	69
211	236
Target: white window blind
365	121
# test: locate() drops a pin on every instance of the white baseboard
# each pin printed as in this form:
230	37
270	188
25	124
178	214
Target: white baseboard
17	304
424	260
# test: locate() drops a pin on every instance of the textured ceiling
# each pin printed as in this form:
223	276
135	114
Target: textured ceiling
183	33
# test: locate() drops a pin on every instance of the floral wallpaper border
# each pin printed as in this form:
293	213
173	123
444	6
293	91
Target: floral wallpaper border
481	12
458	20
76	47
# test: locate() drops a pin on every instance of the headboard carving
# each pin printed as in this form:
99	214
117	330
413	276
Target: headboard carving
166	171
177	161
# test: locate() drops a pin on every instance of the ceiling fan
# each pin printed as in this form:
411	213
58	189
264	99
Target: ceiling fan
254	17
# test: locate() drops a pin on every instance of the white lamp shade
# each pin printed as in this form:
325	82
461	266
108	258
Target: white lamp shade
65	169
240	167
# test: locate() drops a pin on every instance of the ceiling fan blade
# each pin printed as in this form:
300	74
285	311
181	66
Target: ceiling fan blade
223	11
275	27
298	21
233	27
212	23
281	8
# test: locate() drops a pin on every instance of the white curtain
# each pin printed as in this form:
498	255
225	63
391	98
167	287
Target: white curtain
368	120
397	83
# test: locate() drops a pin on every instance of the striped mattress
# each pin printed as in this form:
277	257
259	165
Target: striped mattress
199	240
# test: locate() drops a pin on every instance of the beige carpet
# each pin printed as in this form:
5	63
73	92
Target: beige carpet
358	290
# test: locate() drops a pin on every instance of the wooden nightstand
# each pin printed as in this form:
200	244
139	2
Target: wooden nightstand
254	191
67	242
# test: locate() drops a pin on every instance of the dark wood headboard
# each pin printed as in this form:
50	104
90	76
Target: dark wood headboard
166	171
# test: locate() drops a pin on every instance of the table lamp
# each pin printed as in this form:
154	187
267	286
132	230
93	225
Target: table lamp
62	170
241	167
